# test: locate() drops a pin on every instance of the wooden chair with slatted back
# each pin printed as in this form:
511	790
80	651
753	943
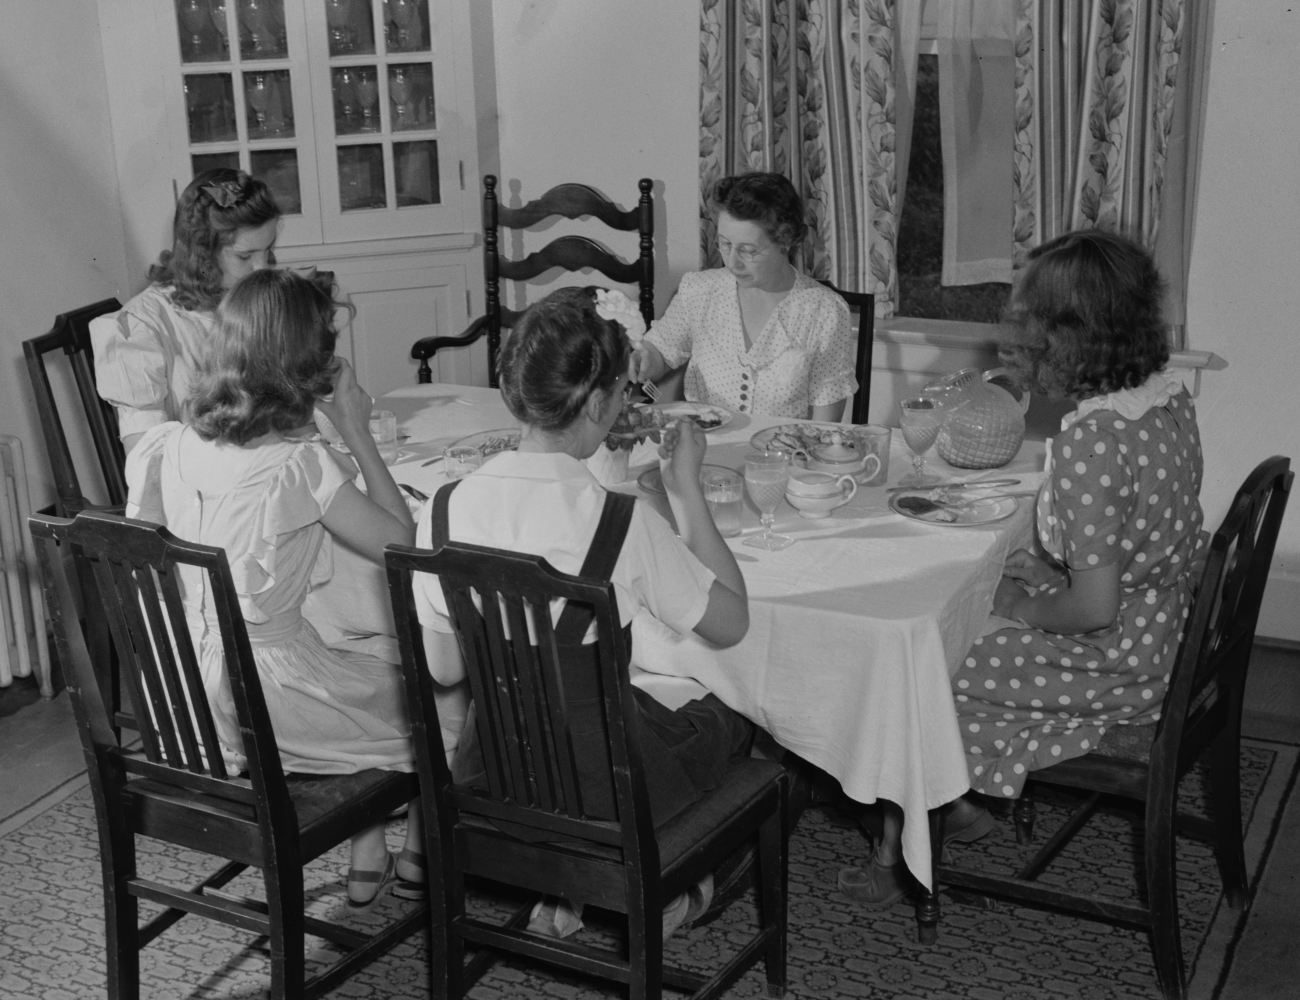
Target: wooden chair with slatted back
571	253
180	789
622	864
71	335
1201	715
863	306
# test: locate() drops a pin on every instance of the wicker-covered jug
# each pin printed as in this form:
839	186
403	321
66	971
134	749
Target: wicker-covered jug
983	424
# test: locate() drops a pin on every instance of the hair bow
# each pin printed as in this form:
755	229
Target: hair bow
225	193
612	304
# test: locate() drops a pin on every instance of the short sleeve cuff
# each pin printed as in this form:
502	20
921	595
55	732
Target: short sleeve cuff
671	358
132	421
841	387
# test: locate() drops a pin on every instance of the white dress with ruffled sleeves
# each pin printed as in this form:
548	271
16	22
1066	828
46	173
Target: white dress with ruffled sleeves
333	712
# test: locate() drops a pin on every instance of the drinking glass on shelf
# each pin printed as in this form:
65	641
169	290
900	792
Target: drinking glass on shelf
258	95
218	11
194	16
338	14
460	461
399	92
920	419
765	477
367	91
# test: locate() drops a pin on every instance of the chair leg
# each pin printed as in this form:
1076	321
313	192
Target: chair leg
121	917
1023	814
286	906
1225	790
772	875
1162	894
645	945
927	900
446	947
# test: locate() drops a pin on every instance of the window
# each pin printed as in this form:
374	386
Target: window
339	105
920	233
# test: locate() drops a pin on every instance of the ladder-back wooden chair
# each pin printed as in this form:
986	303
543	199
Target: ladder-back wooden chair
71	335
862	306
622	864
1201	715
179	788
571	253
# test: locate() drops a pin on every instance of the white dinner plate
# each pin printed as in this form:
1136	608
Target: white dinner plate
652	480
490	443
788	437
708	416
965	514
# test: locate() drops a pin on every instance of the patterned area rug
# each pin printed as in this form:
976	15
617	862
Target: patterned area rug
51	919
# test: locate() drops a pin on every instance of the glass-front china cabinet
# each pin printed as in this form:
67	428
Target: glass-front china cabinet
359	118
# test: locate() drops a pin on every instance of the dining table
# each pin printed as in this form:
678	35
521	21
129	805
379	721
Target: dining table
855	628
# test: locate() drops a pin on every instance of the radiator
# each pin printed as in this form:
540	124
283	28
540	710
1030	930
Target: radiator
22	610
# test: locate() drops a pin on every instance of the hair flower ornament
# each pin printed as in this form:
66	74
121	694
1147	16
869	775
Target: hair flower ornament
225	194
612	304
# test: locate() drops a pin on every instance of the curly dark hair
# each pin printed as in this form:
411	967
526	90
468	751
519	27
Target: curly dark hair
210	212
1086	317
768	199
271	356
560	352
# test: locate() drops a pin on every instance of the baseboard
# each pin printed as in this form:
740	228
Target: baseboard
1279	616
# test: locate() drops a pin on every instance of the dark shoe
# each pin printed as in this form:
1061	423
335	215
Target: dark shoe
406	888
364	887
876	886
972	830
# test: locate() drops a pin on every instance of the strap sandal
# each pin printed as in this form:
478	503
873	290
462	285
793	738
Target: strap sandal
411	888
364	886
876	886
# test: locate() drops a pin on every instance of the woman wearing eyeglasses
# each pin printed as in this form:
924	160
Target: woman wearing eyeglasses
759	336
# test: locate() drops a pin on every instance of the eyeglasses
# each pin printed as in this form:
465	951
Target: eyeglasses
747	254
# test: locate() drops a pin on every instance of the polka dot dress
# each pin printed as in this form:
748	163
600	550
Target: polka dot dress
1118	492
803	357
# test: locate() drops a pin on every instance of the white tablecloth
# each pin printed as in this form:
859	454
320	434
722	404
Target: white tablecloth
854	629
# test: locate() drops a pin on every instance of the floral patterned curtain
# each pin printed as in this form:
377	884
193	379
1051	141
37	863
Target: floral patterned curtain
814	89
1095	93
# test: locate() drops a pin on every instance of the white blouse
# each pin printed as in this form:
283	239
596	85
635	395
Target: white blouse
145	356
803	356
548	504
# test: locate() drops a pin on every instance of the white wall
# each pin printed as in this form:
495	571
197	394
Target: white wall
603	93
1244	298
61	246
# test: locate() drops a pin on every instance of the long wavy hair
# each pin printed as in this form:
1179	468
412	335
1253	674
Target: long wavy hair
211	211
560	352
271	356
1085	317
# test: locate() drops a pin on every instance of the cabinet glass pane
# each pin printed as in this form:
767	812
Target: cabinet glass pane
406	24
356	99
202	37
210	161
351	27
261	29
415	172
361	178
268	103
210	107
279	168
410	88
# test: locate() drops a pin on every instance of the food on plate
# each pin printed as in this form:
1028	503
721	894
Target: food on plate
493	445
925	507
636	423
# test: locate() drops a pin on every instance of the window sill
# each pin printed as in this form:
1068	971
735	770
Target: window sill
947	333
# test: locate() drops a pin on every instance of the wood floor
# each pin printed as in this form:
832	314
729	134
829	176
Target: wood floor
42	764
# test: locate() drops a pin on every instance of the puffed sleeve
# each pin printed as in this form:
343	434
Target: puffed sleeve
143	475
673	334
297	496
1094	495
830	373
131	366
